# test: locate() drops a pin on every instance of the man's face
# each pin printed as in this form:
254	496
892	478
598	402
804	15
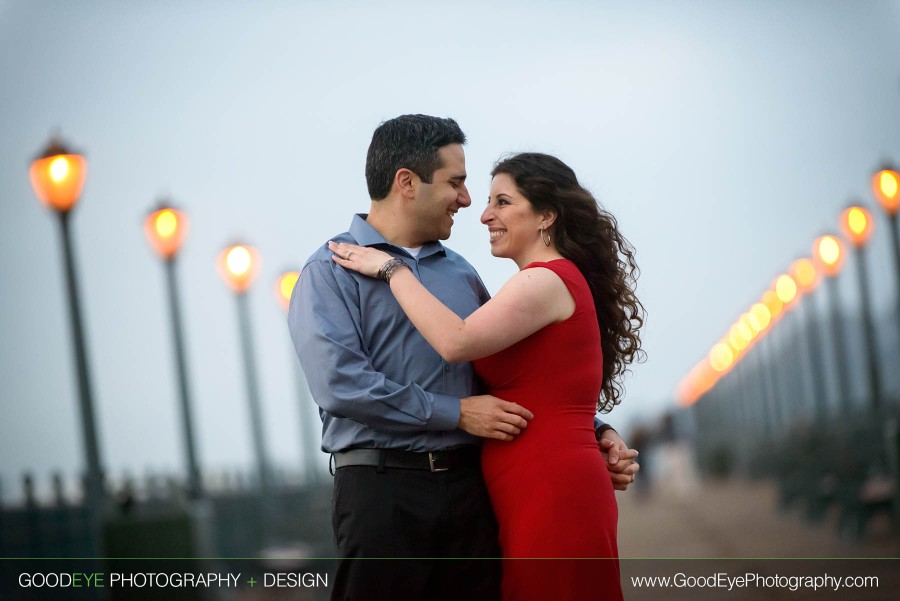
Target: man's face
436	203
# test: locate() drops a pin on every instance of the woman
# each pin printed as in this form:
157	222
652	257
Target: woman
554	339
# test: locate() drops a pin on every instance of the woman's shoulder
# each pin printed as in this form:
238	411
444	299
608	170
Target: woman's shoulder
565	270
533	288
540	278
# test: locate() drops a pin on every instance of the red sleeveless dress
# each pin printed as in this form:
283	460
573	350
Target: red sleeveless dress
550	487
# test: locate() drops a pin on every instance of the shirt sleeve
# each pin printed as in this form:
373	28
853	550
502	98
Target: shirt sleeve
325	325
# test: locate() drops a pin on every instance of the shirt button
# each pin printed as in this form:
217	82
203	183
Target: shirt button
447	368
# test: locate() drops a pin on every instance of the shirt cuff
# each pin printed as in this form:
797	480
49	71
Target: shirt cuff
601	426
445	412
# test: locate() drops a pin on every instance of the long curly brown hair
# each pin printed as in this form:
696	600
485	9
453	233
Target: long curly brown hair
588	236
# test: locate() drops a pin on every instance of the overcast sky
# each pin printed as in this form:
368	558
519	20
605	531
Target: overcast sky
724	136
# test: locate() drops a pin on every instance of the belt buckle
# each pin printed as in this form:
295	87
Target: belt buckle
431	462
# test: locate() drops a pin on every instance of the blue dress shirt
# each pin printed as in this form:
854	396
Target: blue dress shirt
377	382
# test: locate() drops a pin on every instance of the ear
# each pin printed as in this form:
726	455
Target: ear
548	218
406	182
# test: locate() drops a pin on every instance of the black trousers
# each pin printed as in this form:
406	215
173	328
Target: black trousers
406	534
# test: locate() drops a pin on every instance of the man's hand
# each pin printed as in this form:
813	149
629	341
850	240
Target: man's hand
489	417
620	460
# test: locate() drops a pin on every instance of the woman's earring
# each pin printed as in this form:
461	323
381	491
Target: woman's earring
547	239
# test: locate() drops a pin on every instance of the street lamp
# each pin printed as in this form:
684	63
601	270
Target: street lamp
309	434
784	367
166	229
775	304
723	358
58	175
828	253
239	265
807	277
886	186
762	316
857	224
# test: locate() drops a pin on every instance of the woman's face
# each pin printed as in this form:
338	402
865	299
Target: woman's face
513	225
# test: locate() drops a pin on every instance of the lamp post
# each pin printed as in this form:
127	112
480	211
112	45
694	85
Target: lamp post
807	277
785	366
284	287
828	253
238	265
723	359
763	319
857	225
886	186
58	175
747	330
768	371
166	229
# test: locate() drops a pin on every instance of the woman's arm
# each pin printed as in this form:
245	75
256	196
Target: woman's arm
530	300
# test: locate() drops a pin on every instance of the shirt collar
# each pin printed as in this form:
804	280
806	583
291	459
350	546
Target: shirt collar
366	235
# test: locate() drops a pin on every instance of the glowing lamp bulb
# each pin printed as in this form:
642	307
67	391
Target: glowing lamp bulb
166	229
762	314
773	304
856	222
58	176
238	261
886	185
721	357
238	266
786	289
829	253
805	274
736	338
285	287
166	223
751	323
59	169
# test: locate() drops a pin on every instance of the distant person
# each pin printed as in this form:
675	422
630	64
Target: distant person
673	462
641	441
553	340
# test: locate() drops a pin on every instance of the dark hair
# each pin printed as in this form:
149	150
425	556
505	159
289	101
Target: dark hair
589	237
411	142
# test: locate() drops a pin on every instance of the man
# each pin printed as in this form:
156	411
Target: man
403	425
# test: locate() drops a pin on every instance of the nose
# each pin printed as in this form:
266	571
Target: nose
487	215
464	199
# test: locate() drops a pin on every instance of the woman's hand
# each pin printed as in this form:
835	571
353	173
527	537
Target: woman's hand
366	261
620	460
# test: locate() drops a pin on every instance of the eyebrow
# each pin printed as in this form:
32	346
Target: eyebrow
461	178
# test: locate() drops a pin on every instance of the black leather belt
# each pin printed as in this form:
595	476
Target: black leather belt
435	461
